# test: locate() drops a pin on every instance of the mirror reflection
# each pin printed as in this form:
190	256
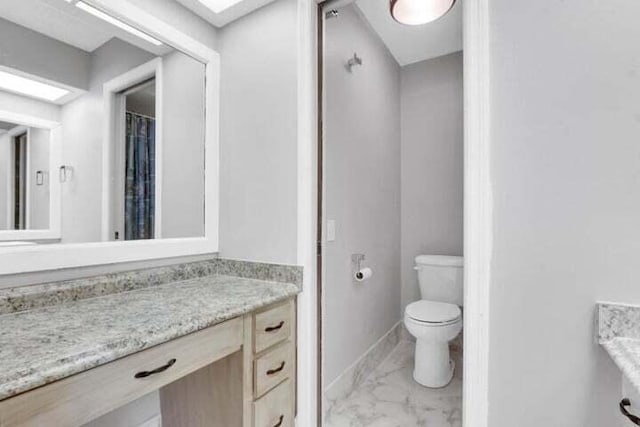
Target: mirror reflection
24	177
103	116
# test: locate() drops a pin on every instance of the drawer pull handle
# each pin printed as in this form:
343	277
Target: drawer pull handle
280	420
623	408
144	374
274	328
276	370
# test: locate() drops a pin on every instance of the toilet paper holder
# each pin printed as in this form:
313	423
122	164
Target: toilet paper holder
360	273
356	259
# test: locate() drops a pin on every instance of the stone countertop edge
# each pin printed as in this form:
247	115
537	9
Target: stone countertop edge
34	296
618	332
47	344
625	353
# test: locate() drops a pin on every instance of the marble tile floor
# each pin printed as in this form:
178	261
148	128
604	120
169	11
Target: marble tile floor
390	397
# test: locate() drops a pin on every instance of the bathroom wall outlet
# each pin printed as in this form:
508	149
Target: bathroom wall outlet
331	230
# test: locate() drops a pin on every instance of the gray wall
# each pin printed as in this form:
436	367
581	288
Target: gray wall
183	146
183	139
39	144
142	102
565	120
258	145
82	121
23	105
39	55
432	163
362	169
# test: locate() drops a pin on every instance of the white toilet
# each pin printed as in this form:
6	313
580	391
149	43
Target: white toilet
436	319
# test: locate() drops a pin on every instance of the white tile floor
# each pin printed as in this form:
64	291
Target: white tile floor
391	398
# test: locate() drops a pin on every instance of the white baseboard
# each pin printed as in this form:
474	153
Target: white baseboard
359	370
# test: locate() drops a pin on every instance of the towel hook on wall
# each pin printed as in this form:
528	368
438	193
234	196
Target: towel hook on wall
65	173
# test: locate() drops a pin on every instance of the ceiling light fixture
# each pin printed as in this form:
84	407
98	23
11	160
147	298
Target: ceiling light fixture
418	12
218	6
30	87
111	20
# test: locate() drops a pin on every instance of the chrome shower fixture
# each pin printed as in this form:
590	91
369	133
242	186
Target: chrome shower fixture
333	13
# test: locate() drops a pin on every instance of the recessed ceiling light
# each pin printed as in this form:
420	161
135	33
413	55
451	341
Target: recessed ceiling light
218	6
26	86
111	20
417	12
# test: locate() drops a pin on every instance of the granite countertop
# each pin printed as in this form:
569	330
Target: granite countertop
618	332
46	344
625	352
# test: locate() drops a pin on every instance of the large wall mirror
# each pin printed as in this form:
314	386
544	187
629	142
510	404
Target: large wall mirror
104	131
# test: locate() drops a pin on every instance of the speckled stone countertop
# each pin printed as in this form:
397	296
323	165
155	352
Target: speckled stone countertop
14	299
45	344
625	352
618	331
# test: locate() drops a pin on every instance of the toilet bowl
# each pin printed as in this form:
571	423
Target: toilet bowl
436	319
433	324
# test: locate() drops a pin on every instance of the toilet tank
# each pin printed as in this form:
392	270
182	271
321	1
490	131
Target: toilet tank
441	278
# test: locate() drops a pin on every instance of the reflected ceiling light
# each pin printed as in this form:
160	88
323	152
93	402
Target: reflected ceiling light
417	12
111	20
218	6
26	86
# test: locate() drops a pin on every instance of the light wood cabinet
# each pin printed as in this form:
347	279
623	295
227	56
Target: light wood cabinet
272	381
272	368
272	326
276	409
237	373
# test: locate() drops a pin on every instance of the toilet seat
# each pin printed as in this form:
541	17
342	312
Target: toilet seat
433	313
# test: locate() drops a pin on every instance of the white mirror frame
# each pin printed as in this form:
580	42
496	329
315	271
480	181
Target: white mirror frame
55	153
24	259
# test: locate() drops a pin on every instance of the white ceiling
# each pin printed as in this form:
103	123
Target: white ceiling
238	10
65	22
409	44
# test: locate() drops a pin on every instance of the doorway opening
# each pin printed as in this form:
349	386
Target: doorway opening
136	163
20	142
132	152
390	189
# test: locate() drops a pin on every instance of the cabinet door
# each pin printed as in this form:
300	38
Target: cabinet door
273	326
275	409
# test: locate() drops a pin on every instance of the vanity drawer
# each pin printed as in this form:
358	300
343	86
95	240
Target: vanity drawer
273	326
85	396
275	409
272	368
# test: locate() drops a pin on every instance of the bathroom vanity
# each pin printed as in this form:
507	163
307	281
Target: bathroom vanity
220	349
618	332
109	160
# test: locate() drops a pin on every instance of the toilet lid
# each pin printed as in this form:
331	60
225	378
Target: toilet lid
433	311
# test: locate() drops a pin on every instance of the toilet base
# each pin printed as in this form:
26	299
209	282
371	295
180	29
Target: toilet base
433	366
